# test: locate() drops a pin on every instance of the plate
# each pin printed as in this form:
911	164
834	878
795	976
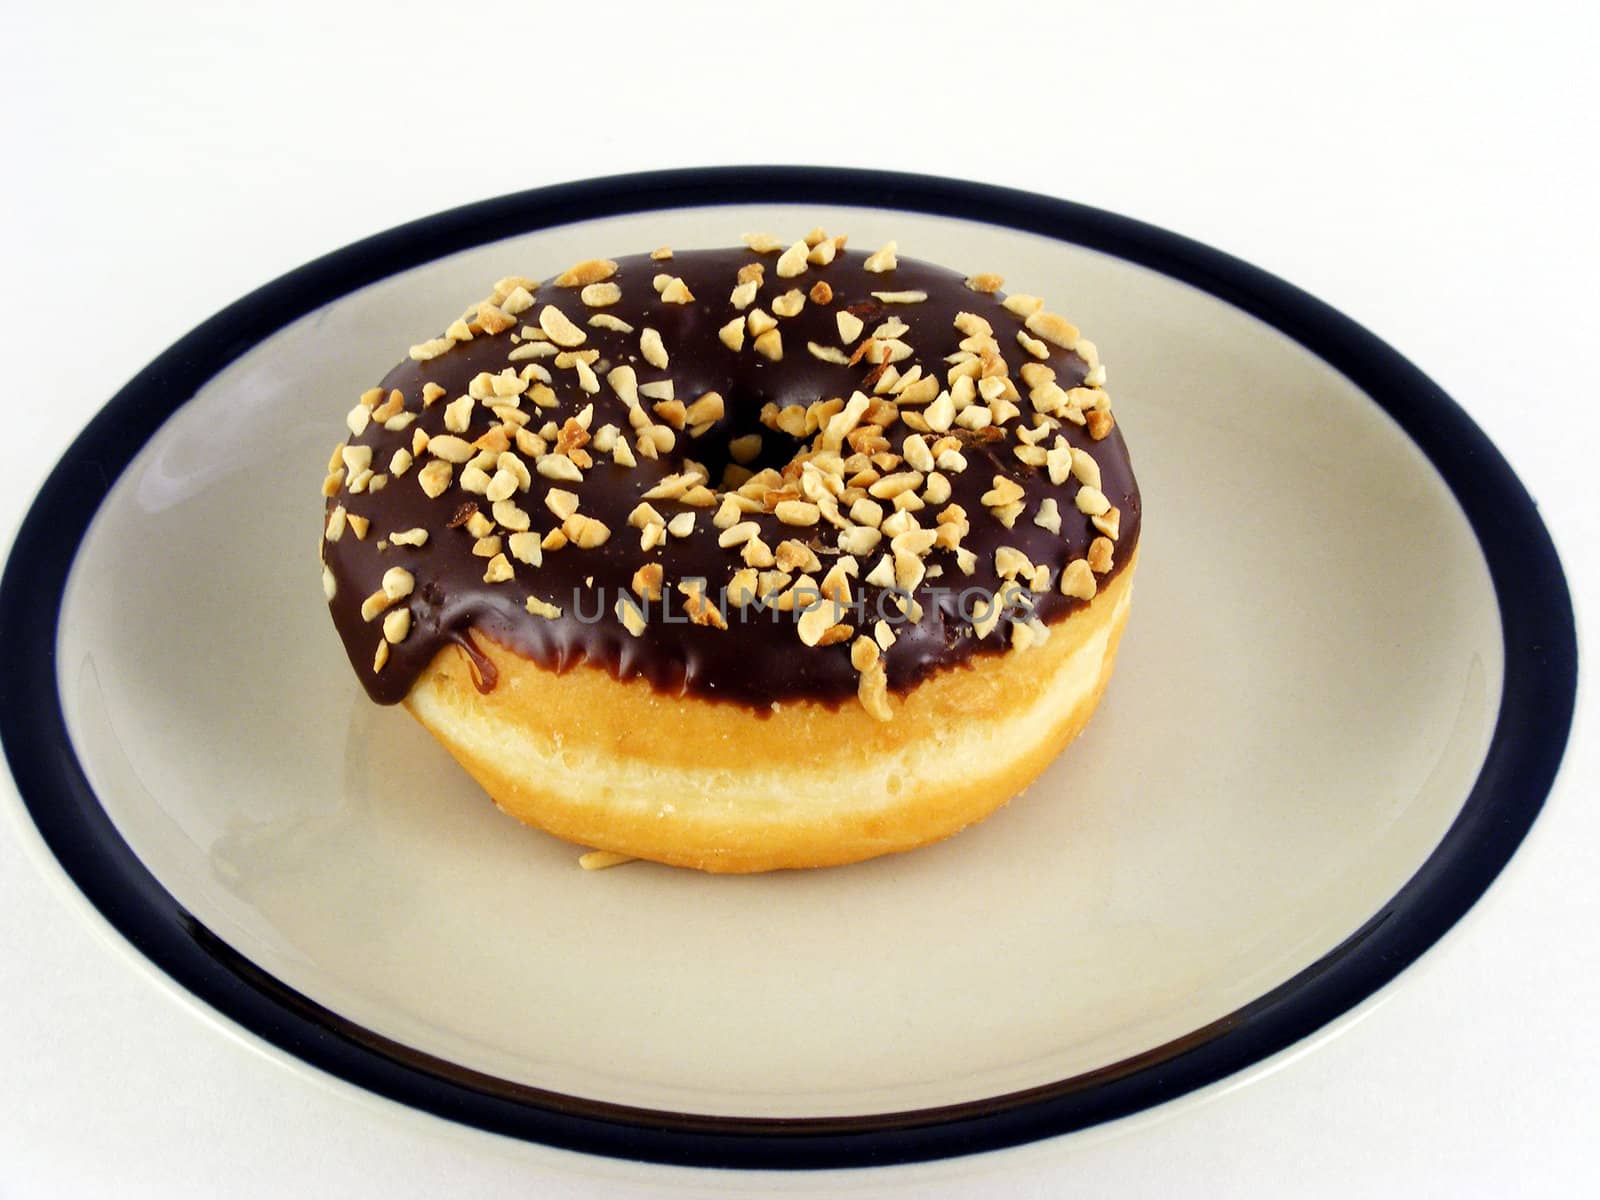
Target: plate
1343	694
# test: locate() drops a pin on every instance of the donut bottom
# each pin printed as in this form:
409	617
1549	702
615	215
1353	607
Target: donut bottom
617	765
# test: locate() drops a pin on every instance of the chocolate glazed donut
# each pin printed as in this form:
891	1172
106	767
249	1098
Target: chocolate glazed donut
681	554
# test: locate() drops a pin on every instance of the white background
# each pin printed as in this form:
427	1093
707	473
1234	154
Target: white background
1426	168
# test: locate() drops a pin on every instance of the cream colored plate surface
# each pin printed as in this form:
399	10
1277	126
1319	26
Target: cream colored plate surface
1306	689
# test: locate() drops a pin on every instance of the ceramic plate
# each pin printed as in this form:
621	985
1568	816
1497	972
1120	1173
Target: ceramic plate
1343	693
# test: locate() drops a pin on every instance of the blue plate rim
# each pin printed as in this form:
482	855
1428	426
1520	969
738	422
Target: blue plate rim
1530	735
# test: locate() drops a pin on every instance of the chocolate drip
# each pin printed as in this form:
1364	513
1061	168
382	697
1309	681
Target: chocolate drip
485	675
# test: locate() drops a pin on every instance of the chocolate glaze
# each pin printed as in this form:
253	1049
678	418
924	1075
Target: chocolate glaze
760	660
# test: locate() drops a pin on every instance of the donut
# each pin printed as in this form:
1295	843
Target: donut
774	556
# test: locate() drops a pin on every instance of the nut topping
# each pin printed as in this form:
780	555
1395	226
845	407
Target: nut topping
538	431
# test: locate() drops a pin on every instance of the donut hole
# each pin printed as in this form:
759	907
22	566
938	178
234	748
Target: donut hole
741	446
